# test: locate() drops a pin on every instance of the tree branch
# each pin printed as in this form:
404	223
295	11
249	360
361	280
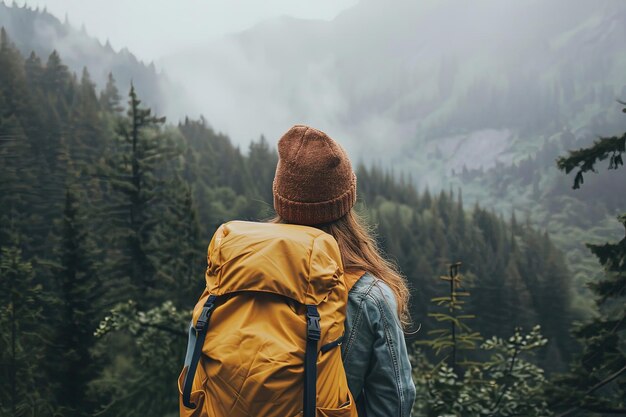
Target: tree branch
165	329
591	390
606	381
606	410
505	386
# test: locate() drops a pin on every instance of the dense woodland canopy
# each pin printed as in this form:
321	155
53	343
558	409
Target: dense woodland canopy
106	214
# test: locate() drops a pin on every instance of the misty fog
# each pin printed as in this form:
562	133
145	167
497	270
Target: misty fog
387	78
409	84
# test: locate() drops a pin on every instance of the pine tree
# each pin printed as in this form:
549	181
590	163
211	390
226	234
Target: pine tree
597	379
110	99
135	173
84	142
57	76
585	159
261	165
516	298
13	86
180	274
24	336
17	179
455	335
79	298
34	72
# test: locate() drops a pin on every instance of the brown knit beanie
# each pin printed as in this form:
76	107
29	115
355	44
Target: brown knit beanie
314	181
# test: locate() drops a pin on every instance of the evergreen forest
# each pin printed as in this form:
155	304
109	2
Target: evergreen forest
106	211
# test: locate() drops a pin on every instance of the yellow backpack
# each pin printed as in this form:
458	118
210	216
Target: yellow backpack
264	334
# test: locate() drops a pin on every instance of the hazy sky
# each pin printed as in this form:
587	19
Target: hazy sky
153	28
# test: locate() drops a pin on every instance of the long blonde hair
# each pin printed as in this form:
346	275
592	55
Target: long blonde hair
360	251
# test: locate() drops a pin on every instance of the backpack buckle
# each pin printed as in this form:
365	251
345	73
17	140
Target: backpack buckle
205	315
313	329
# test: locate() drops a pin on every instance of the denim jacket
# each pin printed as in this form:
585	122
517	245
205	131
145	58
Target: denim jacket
374	352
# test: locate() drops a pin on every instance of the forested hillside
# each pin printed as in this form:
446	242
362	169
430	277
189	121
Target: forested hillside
38	31
534	189
106	214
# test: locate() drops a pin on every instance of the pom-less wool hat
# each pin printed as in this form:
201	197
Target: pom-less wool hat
314	181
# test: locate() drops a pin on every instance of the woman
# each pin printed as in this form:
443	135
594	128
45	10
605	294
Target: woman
314	185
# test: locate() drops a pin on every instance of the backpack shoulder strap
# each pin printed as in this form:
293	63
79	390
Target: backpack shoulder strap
198	332
310	361
352	276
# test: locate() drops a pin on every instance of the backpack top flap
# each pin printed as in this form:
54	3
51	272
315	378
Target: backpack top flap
302	262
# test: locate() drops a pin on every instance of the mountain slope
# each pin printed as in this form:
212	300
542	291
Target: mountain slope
40	32
409	74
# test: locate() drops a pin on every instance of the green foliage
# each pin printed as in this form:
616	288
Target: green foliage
457	335
504	385
144	383
134	173
585	159
23	339
262	164
56	143
110	99
516	274
77	302
596	381
181	252
496	380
